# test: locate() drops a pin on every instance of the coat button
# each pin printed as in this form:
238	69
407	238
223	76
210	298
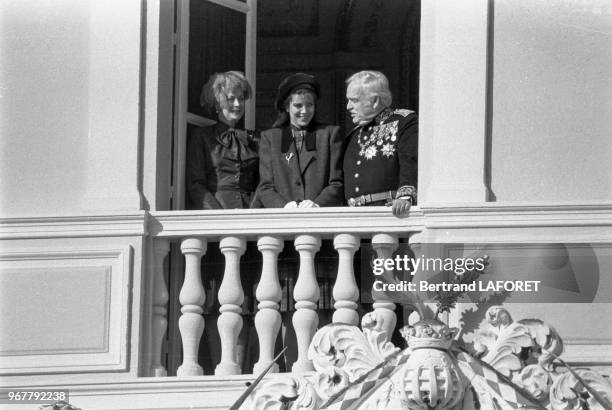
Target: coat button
356	175
356	189
359	162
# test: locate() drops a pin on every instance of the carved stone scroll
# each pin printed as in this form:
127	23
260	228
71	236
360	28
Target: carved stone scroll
512	369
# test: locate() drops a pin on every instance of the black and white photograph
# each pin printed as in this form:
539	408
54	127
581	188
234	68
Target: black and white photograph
306	204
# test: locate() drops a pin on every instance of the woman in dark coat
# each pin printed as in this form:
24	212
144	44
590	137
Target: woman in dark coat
300	167
223	173
300	159
222	160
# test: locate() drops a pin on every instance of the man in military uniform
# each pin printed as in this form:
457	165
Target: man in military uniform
380	160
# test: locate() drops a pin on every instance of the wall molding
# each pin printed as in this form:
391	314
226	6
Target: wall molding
585	352
534	215
112	265
198	392
518	222
74	226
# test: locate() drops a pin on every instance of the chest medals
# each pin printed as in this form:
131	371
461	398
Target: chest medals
380	138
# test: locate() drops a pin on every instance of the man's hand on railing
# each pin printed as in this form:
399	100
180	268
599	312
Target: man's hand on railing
401	206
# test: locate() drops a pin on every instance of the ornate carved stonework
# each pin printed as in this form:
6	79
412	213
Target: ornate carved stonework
514	365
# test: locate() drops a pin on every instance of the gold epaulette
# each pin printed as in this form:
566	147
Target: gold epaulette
403	112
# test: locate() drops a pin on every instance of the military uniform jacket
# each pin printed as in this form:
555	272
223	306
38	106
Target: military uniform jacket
286	176
381	155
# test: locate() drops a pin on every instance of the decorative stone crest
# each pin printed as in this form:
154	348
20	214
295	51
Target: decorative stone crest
513	365
431	378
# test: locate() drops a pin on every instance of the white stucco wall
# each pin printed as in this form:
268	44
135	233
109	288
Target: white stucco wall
44	105
552	100
70	81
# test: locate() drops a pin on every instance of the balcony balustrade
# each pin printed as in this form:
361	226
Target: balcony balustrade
158	315
270	228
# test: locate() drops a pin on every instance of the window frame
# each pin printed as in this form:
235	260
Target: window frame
181	114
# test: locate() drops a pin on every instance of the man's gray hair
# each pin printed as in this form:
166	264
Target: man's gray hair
374	84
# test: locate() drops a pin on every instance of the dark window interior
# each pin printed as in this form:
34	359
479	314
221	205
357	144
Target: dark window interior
330	39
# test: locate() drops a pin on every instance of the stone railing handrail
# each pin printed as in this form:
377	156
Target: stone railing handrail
252	223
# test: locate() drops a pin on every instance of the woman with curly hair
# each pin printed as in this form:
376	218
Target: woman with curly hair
222	160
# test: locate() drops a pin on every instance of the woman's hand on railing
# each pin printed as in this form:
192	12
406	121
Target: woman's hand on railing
307	203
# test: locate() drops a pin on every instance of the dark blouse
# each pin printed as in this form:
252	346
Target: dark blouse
222	167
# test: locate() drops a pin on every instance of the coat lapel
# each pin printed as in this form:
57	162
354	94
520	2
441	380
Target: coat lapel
309	152
288	152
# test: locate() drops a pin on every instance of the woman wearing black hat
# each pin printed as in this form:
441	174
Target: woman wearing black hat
300	159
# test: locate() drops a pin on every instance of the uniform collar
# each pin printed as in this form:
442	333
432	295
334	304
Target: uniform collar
377	120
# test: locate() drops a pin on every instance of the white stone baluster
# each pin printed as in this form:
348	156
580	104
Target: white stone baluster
161	247
306	295
268	318
345	290
231	297
192	297
384	245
